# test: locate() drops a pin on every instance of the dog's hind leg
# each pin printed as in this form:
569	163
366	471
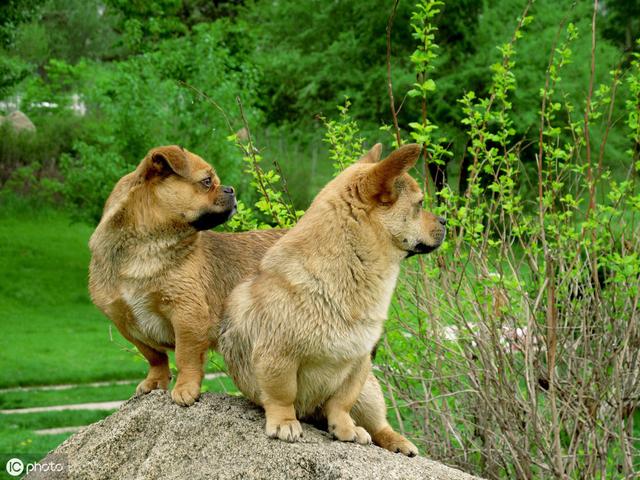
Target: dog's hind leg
370	412
159	375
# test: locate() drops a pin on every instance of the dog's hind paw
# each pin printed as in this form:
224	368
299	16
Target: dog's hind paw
362	436
149	384
347	433
394	442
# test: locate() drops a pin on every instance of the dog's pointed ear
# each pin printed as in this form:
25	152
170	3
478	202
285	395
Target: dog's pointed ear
166	160
378	183
373	155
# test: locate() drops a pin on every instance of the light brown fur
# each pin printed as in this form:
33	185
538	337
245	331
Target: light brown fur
297	335
159	278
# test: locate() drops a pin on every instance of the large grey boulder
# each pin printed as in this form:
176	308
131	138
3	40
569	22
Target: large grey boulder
19	121
221	437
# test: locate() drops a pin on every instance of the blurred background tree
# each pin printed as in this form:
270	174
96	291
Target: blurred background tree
136	69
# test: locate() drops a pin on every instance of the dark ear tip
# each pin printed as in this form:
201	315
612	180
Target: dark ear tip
155	152
411	149
165	153
165	149
407	155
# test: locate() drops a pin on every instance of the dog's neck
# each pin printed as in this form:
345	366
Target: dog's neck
353	275
135	249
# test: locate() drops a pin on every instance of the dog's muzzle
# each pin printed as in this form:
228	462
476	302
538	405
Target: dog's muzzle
420	249
228	207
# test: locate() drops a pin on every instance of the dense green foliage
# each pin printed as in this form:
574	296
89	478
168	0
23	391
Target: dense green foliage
149	73
142	100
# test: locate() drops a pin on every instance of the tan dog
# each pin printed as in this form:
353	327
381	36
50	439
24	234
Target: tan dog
158	276
297	336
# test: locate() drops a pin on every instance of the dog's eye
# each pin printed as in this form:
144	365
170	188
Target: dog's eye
420	203
206	183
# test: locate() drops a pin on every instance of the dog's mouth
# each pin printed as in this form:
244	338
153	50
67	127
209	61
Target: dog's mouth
209	219
233	210
420	249
437	236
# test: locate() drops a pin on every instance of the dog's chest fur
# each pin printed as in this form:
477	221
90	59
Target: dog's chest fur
150	325
326	369
358	341
134	270
360	336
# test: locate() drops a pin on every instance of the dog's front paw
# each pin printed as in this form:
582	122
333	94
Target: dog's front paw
287	430
394	442
350	433
185	394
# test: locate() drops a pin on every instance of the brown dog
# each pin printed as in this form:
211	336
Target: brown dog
158	276
297	335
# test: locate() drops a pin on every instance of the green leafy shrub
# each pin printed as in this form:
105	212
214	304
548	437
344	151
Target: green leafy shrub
54	135
149	100
89	177
274	204
512	351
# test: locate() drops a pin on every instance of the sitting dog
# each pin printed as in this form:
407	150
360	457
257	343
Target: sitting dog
159	275
297	335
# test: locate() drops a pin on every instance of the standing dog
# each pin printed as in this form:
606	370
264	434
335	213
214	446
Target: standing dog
297	335
158	275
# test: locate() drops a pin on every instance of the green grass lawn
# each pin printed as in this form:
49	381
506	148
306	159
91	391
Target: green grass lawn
18	437
52	333
79	394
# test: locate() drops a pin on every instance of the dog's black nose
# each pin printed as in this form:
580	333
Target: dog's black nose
228	190
442	220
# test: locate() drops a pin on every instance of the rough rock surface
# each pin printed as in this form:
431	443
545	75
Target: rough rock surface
19	121
221	437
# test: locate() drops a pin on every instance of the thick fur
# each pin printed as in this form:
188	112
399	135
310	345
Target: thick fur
297	335
159	278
